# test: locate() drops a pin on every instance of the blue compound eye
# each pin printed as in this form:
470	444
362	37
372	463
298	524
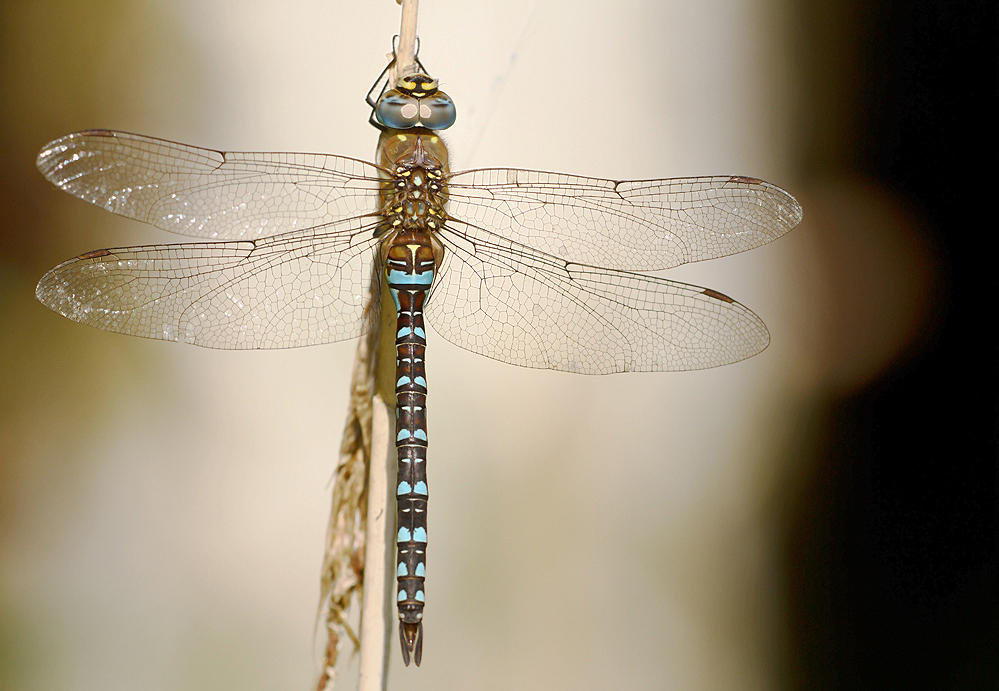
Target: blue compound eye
437	111
397	110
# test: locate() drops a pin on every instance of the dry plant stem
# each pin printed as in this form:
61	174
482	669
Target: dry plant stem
343	561
360	546
405	52
360	549
376	609
377	613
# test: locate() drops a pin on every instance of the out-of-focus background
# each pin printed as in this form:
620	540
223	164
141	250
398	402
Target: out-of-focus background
821	516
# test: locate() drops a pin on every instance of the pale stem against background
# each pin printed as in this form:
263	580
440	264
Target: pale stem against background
376	609
406	50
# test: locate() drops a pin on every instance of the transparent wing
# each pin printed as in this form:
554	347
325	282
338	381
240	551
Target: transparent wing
642	225
301	288
500	299
205	193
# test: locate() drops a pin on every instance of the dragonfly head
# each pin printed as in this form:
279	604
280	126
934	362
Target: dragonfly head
417	85
415	102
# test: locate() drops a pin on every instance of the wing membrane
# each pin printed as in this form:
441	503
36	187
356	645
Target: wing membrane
511	303
528	290
209	194
642	225
302	288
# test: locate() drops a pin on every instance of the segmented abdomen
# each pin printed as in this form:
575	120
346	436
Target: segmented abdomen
409	269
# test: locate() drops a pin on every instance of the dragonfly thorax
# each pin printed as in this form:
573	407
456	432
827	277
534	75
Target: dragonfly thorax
399	150
413	198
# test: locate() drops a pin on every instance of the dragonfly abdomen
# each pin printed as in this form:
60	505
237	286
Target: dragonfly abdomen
409	271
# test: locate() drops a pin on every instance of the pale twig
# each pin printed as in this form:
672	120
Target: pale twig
377	614
360	550
405	51
379	574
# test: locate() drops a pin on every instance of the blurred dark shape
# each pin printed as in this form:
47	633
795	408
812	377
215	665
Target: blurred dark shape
891	548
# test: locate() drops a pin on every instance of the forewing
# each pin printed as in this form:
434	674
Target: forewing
302	288
642	225
208	194
508	302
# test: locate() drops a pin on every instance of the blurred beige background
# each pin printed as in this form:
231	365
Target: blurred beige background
163	507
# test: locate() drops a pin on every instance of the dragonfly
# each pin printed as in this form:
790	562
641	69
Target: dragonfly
536	269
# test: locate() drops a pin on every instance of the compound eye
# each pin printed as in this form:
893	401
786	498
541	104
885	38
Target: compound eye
397	110
437	112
